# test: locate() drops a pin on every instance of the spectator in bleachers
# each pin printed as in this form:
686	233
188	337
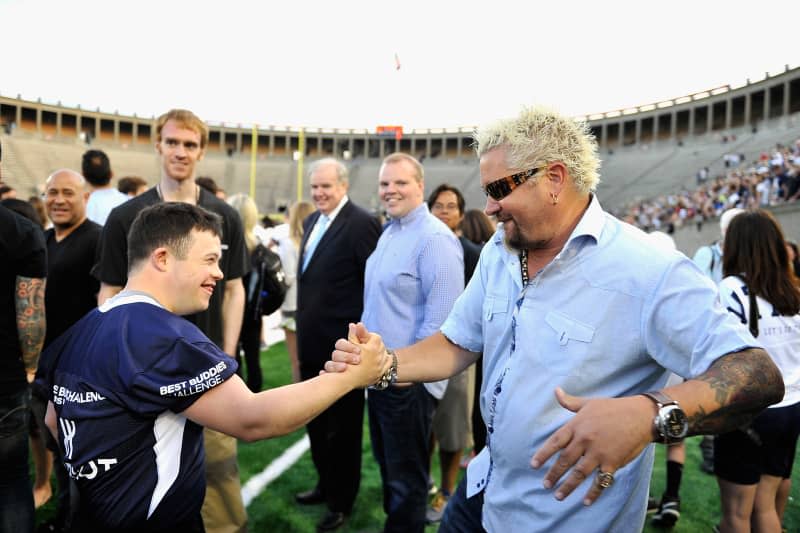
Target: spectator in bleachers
773	179
96	168
132	186
452	419
762	291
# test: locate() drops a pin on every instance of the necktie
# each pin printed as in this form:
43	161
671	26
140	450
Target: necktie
322	223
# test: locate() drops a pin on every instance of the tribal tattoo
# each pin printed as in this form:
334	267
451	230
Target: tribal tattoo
29	299
744	384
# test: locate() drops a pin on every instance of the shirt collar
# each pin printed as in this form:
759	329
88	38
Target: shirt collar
338	208
591	223
412	216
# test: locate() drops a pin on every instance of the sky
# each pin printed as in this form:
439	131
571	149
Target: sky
334	64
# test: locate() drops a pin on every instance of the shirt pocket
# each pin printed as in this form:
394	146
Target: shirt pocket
495	308
495	322
567	347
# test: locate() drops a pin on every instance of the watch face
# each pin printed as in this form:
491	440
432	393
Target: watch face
676	425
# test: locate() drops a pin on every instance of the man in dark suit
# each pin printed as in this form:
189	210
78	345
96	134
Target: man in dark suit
338	239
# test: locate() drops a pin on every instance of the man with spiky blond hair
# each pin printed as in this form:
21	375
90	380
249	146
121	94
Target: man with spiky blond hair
580	317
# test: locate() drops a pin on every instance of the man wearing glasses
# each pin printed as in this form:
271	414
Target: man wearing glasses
578	316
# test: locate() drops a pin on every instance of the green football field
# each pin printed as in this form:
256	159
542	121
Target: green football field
274	510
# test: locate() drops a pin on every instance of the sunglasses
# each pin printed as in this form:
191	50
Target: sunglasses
500	188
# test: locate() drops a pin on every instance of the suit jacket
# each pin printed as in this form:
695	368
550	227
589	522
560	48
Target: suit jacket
472	252
330	292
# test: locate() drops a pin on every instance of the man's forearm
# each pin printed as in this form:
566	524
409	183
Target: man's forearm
734	390
29	304
432	359
232	313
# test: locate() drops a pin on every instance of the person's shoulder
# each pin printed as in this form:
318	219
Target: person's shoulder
91	227
355	209
469	246
217	205
624	240
126	211
732	282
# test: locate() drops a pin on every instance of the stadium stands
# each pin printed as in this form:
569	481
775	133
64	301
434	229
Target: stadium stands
647	151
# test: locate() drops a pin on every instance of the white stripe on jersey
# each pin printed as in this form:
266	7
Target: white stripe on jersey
128	297
168	430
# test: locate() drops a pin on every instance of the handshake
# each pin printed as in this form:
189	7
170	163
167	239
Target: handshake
364	356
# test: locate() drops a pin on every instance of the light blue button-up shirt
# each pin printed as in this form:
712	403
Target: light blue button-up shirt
605	318
412	280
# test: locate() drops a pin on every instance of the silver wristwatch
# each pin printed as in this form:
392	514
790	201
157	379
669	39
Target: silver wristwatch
670	423
390	377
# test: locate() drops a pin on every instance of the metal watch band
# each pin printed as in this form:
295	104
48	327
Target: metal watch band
390	376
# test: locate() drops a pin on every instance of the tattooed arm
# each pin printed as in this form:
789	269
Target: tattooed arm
608	433
29	301
733	391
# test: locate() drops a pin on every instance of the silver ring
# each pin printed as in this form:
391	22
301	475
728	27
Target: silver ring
604	479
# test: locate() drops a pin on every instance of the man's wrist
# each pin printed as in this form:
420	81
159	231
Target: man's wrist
390	376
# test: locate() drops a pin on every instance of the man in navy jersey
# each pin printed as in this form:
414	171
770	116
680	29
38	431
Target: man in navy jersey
181	141
132	383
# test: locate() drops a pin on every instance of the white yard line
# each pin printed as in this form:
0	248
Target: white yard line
256	484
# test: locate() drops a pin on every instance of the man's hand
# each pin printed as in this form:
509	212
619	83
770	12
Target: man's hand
349	351
603	436
362	353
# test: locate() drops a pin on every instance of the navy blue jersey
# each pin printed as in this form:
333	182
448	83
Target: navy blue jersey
119	379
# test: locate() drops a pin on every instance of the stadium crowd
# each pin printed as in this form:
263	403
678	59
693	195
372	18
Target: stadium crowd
771	179
95	270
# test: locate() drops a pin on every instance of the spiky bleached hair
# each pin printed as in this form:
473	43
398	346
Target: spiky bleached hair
540	135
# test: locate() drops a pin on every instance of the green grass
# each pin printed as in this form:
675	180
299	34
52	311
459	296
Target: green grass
274	510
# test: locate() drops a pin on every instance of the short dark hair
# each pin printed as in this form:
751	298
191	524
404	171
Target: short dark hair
23	208
96	168
444	187
130	184
168	224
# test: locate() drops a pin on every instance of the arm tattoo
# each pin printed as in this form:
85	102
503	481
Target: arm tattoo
744	384
29	300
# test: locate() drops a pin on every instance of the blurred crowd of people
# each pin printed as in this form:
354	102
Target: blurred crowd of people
770	179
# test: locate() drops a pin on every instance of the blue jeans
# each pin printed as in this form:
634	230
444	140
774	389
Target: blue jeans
16	493
462	514
400	429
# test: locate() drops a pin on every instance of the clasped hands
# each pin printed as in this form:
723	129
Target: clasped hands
362	353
